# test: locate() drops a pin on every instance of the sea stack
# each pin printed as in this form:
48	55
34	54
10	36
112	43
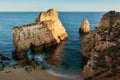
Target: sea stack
102	49
45	32
84	26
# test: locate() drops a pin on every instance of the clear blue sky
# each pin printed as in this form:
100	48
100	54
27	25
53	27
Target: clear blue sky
60	5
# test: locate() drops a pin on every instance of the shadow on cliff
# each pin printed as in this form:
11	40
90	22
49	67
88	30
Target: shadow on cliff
82	37
52	56
20	55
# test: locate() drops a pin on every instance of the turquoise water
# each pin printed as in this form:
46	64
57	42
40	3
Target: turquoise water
68	53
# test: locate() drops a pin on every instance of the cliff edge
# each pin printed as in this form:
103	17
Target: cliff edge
102	49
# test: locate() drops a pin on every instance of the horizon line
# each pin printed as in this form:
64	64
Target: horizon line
58	11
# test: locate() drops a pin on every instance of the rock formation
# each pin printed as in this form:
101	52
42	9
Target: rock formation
84	26
102	48
45	32
46	16
109	19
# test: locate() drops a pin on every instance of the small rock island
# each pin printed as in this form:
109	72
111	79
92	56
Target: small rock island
84	26
45	32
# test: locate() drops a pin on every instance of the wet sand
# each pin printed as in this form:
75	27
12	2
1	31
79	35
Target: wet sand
22	74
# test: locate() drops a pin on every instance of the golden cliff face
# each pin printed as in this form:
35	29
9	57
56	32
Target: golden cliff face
102	48
45	32
49	15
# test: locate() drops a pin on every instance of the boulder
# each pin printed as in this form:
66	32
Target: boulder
84	26
5	58
45	32
102	48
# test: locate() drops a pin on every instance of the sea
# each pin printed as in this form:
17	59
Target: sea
66	59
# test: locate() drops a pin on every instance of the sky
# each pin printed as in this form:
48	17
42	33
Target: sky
60	5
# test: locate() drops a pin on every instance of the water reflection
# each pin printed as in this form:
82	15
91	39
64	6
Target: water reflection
54	57
83	36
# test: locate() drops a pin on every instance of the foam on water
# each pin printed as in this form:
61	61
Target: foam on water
39	57
61	74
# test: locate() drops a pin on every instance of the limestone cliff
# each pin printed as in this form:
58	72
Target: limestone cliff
84	26
49	15
109	19
45	32
102	48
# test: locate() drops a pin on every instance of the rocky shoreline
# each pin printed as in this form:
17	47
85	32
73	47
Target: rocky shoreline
101	48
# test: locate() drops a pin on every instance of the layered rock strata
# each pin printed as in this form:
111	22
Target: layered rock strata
102	48
45	32
84	26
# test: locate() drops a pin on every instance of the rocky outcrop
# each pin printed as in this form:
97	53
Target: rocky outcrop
109	19
46	16
84	26
45	32
102	48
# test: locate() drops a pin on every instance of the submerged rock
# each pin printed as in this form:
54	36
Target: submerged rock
84	26
4	58
45	32
102	48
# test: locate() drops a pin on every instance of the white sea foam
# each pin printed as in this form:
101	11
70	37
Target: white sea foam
65	75
40	57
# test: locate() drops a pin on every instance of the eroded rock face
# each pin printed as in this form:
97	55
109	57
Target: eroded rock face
109	19
102	48
45	32
84	26
49	15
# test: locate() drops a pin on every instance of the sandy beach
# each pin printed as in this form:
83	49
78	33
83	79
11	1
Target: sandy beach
22	74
